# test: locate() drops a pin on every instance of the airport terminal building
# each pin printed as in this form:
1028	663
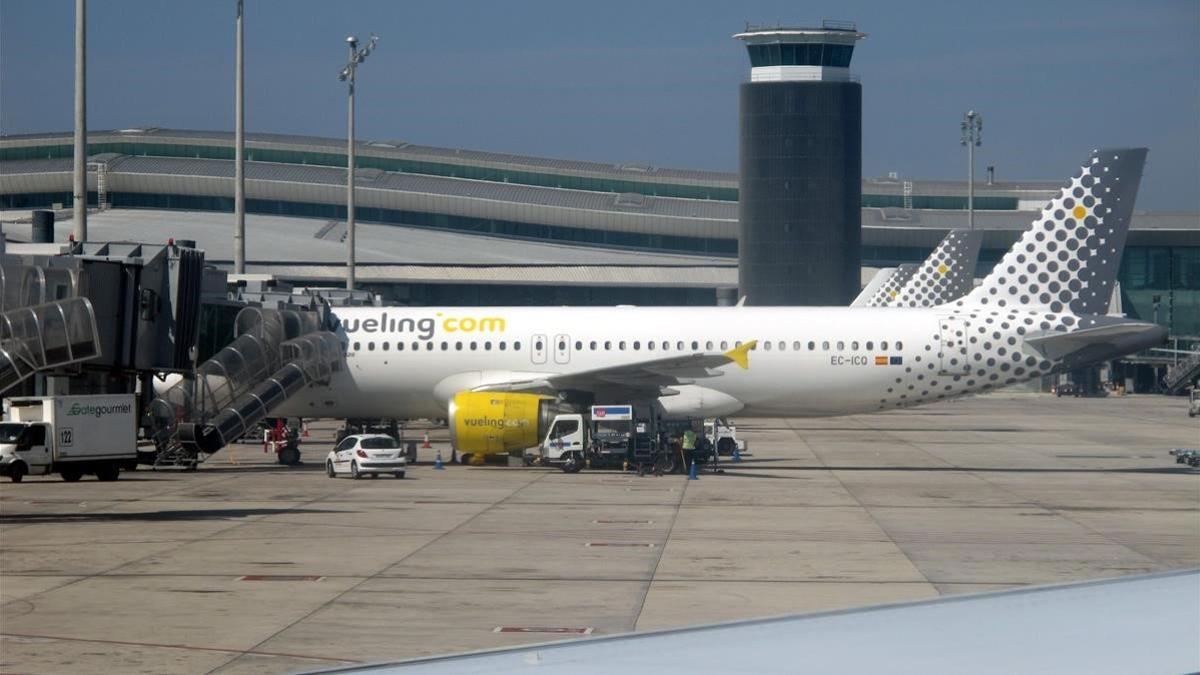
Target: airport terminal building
449	226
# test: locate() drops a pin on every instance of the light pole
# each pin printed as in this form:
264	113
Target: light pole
972	137
239	157
79	196
357	56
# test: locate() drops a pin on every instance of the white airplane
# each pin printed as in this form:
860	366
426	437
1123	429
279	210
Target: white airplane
498	374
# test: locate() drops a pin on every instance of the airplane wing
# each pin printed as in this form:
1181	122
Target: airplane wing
1137	624
873	286
648	377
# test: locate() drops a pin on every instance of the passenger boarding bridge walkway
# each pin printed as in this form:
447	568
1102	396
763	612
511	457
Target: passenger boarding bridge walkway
1180	376
44	325
276	354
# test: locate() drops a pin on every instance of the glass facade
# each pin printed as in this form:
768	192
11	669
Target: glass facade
534	178
1162	284
804	54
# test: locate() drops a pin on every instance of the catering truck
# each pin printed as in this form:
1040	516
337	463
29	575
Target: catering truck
68	435
606	436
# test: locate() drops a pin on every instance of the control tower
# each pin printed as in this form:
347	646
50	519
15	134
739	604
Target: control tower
800	190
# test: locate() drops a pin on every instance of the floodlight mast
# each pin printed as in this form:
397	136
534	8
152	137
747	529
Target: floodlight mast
972	137
79	179
239	152
357	56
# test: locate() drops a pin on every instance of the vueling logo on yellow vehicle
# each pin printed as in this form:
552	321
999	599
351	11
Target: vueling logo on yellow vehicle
425	327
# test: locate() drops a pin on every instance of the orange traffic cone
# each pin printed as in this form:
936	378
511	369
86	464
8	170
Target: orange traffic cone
426	443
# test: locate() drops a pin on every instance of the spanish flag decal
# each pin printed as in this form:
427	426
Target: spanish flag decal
881	360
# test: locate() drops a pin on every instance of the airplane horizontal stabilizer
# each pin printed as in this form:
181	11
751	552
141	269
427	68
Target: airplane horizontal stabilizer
1123	335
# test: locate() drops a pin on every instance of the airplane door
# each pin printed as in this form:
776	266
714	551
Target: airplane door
953	353
562	348
537	349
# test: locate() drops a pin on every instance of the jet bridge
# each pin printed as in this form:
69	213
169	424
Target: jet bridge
42	325
276	353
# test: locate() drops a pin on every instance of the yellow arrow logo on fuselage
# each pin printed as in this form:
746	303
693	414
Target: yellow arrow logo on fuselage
741	354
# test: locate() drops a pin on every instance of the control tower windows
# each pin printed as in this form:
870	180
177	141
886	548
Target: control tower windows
801	54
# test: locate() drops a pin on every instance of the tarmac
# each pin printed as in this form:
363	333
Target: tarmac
246	566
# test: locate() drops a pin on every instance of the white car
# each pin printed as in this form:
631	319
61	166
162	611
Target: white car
366	454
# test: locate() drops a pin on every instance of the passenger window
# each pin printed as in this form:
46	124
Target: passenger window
695	346
841	345
825	345
621	345
538	345
503	345
607	345
371	346
386	346
883	345
429	346
854	345
637	344
474	346
487	346
666	346
357	346
578	346
899	345
445	346
399	346
681	346
708	345
724	345
458	346
767	346
796	346
562	345
592	345
870	345
811	345
649	345
782	346
517	346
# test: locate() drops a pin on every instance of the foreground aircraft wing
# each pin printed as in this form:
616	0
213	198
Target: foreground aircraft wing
650	376
1138	624
873	286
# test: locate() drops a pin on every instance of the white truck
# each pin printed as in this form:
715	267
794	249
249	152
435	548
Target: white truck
724	437
606	437
68	435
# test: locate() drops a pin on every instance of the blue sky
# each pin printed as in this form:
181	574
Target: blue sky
648	82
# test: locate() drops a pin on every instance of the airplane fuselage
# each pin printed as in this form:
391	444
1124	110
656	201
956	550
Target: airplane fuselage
408	362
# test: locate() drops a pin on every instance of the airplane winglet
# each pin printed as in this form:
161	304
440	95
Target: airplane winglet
741	354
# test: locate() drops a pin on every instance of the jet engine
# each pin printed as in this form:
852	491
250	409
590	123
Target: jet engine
488	423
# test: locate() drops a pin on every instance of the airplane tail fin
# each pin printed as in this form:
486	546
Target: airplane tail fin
891	287
873	286
1069	257
947	274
